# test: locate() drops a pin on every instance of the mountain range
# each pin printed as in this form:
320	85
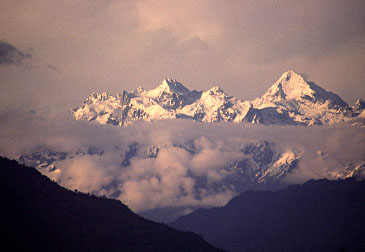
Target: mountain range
257	164
260	165
39	215
319	215
290	101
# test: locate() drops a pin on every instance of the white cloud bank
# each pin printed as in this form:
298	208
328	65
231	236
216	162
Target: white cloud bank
176	177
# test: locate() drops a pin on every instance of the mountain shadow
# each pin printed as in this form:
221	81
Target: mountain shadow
36	214
319	215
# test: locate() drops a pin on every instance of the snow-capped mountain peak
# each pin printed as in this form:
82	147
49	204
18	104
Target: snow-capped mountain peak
292	85
291	100
173	86
168	86
169	94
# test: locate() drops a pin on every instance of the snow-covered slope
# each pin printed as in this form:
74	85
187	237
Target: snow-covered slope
46	159
168	101
259	164
292	86
291	100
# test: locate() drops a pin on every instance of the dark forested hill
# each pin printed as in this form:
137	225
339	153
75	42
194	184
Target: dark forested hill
38	215
320	215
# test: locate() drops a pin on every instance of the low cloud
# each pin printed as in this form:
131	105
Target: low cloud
172	179
192	176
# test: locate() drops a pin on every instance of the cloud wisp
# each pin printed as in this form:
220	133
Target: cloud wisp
10	55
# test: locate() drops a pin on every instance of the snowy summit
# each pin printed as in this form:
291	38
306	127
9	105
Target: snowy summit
291	100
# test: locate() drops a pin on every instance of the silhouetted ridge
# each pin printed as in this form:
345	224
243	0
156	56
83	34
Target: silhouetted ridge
320	215
38	215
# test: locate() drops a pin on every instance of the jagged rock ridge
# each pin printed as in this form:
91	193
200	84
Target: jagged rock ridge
290	101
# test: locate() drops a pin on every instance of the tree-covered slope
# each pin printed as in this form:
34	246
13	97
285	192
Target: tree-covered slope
38	215
319	215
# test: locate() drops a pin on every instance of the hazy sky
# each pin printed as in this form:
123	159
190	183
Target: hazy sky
53	54
64	50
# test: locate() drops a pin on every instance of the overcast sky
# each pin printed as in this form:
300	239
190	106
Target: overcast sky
55	53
